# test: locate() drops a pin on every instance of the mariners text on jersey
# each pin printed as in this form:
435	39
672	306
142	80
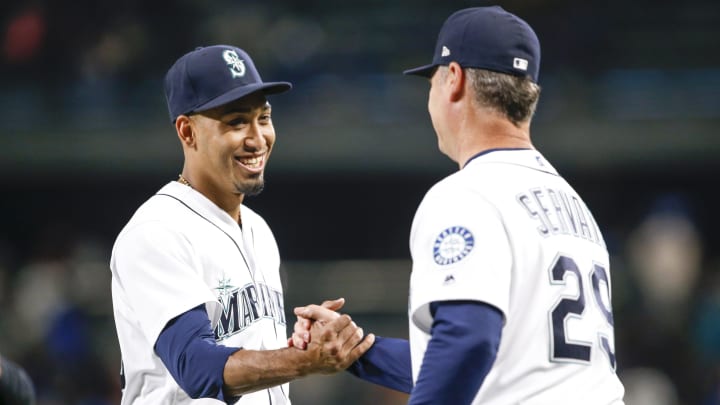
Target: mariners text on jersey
244	306
560	213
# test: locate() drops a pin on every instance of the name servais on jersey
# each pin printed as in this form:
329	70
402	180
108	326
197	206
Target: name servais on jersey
559	213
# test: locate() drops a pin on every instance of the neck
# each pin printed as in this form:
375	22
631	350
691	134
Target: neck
228	203
489	131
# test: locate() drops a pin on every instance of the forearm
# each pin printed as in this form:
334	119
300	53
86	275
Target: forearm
204	369
387	363
248	371
333	347
464	343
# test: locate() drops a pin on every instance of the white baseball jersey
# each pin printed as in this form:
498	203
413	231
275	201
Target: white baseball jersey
507	230
179	251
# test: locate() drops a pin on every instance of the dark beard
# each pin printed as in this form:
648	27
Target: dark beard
251	189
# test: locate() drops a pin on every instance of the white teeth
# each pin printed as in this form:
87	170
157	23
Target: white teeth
251	162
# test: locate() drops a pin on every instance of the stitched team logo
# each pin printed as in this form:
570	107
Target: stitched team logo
235	64
242	307
452	245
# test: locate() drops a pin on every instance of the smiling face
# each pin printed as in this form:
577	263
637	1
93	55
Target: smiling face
229	146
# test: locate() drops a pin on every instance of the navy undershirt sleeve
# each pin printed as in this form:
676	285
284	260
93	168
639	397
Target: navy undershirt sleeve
188	349
386	363
463	347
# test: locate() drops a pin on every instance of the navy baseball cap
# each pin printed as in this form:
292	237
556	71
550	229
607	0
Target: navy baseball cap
211	76
486	38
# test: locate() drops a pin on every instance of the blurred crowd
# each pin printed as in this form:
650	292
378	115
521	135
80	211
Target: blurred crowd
56	318
667	309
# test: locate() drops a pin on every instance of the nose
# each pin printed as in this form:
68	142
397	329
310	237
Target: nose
255	137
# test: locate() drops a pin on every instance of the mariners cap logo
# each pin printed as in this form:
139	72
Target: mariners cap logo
452	245
235	64
445	51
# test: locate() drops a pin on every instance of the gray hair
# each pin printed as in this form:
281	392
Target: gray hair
514	97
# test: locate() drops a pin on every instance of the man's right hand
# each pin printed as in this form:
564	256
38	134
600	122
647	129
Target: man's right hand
306	315
334	344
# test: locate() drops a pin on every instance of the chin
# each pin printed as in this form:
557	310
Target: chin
251	188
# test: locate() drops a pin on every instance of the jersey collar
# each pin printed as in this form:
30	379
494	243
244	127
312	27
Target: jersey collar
527	157
198	202
485	152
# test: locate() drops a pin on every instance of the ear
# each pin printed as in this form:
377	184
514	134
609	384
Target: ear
456	81
185	131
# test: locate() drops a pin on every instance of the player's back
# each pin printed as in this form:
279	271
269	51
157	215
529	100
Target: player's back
557	344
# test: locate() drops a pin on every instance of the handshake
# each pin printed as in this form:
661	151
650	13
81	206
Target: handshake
333	340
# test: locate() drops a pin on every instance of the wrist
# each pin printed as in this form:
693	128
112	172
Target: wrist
308	362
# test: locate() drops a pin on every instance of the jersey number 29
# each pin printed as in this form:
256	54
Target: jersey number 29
573	307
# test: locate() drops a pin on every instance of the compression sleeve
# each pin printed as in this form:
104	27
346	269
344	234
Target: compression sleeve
16	387
463	346
188	349
386	363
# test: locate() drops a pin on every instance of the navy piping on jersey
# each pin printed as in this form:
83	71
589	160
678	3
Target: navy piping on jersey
485	152
215	225
252	277
511	149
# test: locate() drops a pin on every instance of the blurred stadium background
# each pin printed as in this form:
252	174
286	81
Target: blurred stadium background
629	115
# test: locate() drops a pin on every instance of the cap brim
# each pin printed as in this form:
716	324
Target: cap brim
240	92
424	71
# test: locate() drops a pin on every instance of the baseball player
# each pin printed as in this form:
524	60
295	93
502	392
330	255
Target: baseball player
197	297
510	287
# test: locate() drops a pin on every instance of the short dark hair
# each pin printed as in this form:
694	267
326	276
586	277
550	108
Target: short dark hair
515	97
